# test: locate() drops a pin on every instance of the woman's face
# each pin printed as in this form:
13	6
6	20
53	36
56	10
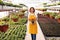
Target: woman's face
32	10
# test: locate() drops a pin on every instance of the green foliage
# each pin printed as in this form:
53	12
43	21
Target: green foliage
15	32
2	3
58	16
0	0
6	19
58	3
50	13
2	22
20	13
45	13
44	3
8	4
53	14
51	5
14	16
22	21
16	5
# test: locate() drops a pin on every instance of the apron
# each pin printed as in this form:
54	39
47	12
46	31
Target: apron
32	27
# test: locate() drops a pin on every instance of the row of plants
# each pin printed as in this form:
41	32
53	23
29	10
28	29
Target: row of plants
52	15
12	19
4	25
15	32
42	9
45	4
9	4
17	16
12	27
49	26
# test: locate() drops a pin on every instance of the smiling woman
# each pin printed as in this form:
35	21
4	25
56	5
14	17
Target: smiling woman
3	14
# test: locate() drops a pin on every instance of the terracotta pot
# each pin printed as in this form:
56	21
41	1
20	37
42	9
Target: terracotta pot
3	28
15	19
58	20
21	16
47	15
44	10
52	17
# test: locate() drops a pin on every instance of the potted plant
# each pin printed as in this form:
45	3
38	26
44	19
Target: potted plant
52	15
21	14
58	18
6	19
44	9
22	21
46	14
3	26
23	11
15	18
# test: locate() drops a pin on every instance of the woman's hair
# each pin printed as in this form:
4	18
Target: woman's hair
32	8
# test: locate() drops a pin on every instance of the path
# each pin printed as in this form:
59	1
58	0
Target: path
40	35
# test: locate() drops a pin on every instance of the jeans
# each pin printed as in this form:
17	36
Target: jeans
33	36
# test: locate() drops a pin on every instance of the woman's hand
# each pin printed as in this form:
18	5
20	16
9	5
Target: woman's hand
32	22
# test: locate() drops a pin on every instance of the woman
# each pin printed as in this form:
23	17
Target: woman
32	23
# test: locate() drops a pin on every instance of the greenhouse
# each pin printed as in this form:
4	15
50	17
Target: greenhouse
29	19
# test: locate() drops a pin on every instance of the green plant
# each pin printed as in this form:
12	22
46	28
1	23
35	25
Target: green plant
22	21
51	5
57	17
6	19
58	3
20	13
2	22
2	3
14	32
45	13
14	16
8	4
53	14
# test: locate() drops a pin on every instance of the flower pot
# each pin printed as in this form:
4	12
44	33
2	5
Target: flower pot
58	20
21	16
47	15
44	10
15	19
4	27
0	28
52	17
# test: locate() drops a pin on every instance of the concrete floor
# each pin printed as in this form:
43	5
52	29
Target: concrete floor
40	35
